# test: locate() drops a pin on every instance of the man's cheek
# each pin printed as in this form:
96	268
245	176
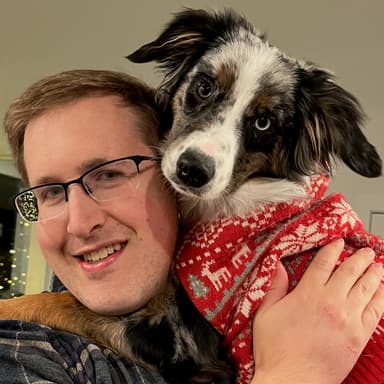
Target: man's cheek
49	237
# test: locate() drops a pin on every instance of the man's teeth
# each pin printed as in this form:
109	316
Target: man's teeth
101	254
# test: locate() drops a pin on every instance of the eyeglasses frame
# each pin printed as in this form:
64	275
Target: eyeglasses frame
137	159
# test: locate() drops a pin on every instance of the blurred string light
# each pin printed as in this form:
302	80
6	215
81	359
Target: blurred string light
13	283
16	234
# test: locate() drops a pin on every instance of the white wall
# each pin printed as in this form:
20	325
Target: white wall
41	37
8	168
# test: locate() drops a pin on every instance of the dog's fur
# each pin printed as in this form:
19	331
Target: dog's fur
249	124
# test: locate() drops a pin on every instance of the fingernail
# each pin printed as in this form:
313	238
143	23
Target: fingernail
339	242
370	252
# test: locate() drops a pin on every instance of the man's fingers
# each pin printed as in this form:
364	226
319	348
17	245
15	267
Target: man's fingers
278	288
350	271
323	264
374	310
365	288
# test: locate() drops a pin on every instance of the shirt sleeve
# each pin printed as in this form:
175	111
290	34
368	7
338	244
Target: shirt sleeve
32	353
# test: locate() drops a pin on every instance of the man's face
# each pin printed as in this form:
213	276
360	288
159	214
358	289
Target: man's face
61	145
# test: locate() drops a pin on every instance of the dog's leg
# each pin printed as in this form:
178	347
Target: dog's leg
62	311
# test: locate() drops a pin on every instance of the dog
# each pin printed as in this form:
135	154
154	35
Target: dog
254	138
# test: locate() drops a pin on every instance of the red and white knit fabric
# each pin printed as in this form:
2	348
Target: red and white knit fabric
227	265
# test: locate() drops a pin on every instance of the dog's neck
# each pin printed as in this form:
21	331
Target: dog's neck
247	198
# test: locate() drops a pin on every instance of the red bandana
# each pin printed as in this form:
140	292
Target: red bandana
227	265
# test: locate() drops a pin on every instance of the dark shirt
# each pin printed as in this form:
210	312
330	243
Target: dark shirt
31	353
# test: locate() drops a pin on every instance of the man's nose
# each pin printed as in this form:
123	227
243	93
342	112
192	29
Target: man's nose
84	213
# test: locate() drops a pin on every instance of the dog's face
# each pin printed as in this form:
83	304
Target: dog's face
229	112
244	114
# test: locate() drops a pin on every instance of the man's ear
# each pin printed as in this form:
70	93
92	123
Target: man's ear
330	120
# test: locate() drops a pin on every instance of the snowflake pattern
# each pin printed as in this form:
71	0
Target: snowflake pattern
227	266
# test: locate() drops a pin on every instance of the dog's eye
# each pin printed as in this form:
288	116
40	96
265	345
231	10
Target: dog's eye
262	123
204	88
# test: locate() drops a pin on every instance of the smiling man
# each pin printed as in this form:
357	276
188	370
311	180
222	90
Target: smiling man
107	225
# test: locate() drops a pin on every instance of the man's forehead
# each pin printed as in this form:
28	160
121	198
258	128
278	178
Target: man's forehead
68	141
56	176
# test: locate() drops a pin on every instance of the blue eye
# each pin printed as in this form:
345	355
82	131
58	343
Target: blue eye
262	123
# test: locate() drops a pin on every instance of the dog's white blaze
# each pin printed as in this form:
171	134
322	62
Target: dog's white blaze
221	145
251	64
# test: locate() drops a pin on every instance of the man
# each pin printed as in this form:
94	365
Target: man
113	251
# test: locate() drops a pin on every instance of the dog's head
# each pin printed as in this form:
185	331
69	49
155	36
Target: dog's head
244	113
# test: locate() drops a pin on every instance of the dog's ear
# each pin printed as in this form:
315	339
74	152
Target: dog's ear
183	41
330	120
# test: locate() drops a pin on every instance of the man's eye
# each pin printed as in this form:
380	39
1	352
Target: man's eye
109	175
49	194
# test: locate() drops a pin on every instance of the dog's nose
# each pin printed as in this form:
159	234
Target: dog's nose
194	168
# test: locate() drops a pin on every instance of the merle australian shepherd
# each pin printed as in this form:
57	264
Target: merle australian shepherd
249	124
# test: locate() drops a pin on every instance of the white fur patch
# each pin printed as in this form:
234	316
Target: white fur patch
245	199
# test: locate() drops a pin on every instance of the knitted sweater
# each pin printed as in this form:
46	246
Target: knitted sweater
227	266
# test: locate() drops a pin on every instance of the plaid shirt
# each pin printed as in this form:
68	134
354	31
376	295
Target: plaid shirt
31	353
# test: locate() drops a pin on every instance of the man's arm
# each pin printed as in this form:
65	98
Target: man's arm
32	353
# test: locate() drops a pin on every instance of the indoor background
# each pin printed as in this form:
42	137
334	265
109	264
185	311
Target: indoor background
42	37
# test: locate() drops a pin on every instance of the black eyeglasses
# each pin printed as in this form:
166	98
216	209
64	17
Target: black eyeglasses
104	182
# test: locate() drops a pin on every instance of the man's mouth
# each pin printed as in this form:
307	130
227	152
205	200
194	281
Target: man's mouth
101	254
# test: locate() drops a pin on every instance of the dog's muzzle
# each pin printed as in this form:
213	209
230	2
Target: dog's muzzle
195	169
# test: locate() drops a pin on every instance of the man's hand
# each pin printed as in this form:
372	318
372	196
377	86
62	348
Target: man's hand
316	333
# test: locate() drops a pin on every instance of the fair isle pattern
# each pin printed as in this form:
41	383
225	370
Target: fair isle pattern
227	265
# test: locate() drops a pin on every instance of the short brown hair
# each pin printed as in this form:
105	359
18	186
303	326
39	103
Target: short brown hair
69	86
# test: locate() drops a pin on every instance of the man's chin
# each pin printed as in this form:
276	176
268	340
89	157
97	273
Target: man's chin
114	309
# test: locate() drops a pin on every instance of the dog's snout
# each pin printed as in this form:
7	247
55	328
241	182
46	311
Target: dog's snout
194	168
